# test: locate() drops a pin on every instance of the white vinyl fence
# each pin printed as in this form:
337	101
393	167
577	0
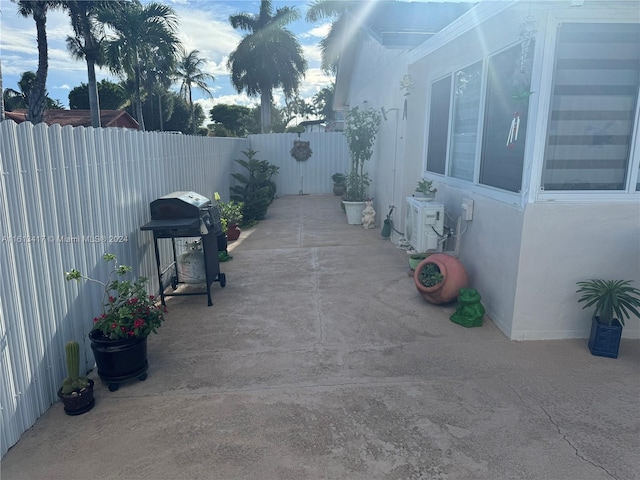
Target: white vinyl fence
68	195
313	176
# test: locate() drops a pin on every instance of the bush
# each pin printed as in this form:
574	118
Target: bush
256	190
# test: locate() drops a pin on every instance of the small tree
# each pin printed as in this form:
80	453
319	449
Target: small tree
361	131
256	190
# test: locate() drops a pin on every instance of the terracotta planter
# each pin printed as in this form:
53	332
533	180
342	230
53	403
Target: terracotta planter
455	278
233	232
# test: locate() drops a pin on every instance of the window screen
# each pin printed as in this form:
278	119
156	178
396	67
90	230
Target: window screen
593	104
466	108
507	99
438	125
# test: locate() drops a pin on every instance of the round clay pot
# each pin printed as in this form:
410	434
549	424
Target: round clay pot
455	278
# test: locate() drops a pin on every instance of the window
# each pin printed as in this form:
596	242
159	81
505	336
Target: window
438	125
506	109
593	107
466	111
505	100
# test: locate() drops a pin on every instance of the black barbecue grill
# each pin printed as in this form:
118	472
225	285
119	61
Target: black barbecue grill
187	214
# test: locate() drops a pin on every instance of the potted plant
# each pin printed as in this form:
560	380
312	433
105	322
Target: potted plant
339	183
439	278
255	188
415	259
613	300
425	190
230	217
360	131
119	333
76	392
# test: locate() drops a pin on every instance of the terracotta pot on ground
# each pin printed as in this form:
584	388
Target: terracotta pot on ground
455	278
233	232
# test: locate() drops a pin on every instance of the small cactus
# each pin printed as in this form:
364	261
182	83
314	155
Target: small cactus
72	349
74	382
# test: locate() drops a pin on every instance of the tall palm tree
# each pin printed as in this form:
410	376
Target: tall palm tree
331	45
189	73
141	32
268	56
158	78
37	96
86	44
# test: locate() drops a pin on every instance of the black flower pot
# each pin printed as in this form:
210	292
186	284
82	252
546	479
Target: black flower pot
78	403
119	360
222	242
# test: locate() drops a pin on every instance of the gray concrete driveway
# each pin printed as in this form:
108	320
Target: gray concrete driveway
319	360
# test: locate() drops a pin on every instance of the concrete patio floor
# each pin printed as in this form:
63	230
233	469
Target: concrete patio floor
319	360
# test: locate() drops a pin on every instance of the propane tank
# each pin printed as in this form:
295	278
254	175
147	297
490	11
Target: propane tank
191	268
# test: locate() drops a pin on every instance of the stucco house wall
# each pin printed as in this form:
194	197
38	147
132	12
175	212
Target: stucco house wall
523	250
375	83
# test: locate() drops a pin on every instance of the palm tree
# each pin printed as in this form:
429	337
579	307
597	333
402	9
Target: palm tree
267	57
141	33
331	45
189	72
37	96
323	102
158	78
86	44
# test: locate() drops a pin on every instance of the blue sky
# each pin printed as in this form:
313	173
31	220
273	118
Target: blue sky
204	26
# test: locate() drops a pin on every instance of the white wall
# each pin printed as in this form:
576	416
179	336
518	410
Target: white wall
524	258
376	84
563	243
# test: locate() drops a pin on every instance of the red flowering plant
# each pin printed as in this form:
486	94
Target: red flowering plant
127	310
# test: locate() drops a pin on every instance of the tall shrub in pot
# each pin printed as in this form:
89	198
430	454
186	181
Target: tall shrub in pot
360	131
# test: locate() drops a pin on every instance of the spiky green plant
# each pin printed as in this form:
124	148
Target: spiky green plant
612	299
74	382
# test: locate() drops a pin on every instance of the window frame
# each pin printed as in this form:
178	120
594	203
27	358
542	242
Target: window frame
539	113
537	194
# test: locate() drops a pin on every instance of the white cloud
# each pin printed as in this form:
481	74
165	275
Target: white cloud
321	31
312	53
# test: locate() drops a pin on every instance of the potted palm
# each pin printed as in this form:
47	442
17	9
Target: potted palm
439	278
76	392
360	131
119	333
613	300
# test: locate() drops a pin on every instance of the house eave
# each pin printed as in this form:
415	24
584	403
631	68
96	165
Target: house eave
465	23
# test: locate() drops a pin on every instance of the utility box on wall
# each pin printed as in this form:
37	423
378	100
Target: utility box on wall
424	225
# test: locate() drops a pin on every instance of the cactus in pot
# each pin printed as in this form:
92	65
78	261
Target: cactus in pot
76	392
74	382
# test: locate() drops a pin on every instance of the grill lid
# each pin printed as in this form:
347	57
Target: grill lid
179	205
